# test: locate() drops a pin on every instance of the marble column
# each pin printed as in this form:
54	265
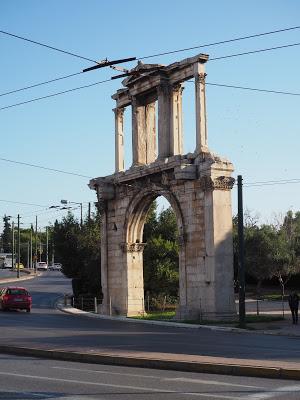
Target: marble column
119	139
176	131
150	126
164	126
200	102
138	134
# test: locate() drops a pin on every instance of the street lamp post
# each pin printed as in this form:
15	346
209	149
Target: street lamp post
74	202
18	248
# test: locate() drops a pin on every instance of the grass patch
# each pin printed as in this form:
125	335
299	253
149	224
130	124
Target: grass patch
273	297
169	317
157	316
263	318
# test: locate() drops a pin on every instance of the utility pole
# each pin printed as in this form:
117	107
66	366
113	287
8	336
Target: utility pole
18	248
13	245
47	243
28	255
89	212
35	258
81	215
242	313
31	229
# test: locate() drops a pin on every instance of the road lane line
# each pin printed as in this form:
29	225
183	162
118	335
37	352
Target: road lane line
207	382
143	389
270	394
109	373
188	380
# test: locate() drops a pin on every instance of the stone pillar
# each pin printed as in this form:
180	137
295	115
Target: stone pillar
176	131
200	102
119	139
164	126
138	133
150	126
135	278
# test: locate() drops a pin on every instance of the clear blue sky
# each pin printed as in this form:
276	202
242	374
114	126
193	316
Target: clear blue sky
258	132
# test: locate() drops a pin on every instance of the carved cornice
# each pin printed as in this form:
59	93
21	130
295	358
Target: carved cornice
220	183
132	247
224	183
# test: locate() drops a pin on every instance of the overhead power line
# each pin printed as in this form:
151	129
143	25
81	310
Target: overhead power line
41	83
271	183
45	168
20	202
213	59
54	94
140	58
48	46
221	42
253	89
256	51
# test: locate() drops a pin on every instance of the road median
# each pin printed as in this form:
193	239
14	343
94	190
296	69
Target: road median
177	362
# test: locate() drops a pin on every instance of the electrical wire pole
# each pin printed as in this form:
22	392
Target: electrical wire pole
18	248
35	257
47	245
31	229
242	313
13	245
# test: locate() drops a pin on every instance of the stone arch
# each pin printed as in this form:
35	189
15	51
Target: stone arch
137	212
135	218
197	186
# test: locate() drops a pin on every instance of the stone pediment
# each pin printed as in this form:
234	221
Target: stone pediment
141	68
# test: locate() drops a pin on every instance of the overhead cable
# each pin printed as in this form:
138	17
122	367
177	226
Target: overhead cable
220	42
145	57
47	46
45	168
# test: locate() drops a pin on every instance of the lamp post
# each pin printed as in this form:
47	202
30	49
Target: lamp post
18	248
74	202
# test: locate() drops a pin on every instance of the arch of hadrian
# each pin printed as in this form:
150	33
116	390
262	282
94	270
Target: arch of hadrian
197	185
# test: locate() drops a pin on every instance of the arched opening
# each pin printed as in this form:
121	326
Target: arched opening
161	260
155	261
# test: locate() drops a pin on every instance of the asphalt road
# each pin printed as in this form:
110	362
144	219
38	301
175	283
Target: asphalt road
45	326
23	378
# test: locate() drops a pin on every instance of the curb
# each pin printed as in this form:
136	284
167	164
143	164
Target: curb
23	278
157	363
86	314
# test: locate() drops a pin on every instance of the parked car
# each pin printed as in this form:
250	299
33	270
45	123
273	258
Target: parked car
20	266
55	267
15	298
42	266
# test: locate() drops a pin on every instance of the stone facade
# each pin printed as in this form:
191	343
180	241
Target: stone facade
198	186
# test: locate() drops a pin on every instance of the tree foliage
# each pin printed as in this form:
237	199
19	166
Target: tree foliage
78	249
161	275
271	251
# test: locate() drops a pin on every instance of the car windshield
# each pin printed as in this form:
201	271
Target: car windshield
17	291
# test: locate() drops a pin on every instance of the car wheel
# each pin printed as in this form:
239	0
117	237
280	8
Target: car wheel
28	310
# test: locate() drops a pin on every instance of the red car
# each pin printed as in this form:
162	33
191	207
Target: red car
15	298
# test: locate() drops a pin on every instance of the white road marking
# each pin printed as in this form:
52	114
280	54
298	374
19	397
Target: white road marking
208	382
108	372
188	380
270	394
143	389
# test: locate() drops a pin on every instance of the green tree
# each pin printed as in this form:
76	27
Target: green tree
78	249
6	236
161	275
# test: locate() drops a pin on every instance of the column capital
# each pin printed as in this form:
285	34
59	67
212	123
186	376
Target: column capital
200	77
